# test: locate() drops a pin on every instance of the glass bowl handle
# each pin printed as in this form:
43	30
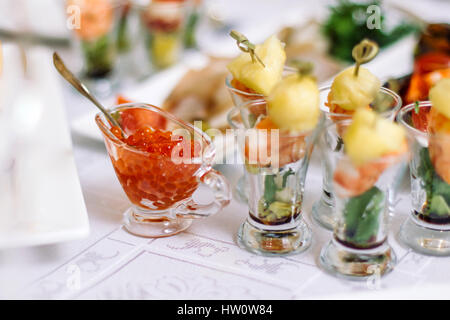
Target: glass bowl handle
222	197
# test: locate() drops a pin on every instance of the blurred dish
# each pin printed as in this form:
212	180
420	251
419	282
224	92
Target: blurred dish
201	95
431	63
48	204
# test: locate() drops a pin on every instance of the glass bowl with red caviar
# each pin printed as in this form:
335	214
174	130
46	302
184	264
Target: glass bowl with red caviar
160	162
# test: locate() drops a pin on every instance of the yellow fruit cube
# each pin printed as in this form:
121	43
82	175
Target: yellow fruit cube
440	97
351	92
370	137
255	76
293	104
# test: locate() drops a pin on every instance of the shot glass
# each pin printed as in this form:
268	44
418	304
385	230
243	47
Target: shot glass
275	170
359	247
427	230
95	39
241	95
160	186
164	25
387	103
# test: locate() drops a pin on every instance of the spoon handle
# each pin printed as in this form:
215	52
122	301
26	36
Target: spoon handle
81	88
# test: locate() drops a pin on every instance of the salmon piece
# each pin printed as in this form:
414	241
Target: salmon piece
439	143
290	148
96	18
352	181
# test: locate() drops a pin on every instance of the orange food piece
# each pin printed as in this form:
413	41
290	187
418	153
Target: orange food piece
151	179
134	118
420	119
122	100
433	77
289	148
250	96
428	69
418	89
438	123
334	108
241	87
266	123
353	181
439	143
96	18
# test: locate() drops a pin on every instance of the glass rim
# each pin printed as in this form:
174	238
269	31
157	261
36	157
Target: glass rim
166	4
385	159
408	108
236	110
244	93
387	91
115	4
209	151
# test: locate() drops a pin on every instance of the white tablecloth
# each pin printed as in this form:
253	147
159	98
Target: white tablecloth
203	262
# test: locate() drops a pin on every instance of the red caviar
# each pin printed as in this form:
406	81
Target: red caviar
146	171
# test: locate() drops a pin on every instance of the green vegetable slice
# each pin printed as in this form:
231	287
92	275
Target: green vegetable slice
362	214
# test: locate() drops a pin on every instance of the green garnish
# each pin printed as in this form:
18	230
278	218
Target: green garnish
437	190
362	216
340	143
347	25
416	107
270	188
286	175
246	46
99	56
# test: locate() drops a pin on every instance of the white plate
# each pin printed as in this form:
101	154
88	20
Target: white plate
47	197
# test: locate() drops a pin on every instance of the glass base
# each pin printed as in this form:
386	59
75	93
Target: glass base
425	239
153	227
274	242
355	264
101	87
323	214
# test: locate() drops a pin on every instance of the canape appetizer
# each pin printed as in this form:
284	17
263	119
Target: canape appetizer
371	146
434	161
292	110
355	87
164	22
259	67
94	32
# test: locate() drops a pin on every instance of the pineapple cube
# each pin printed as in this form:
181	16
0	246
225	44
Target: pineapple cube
370	137
351	92
293	104
252	74
440	97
